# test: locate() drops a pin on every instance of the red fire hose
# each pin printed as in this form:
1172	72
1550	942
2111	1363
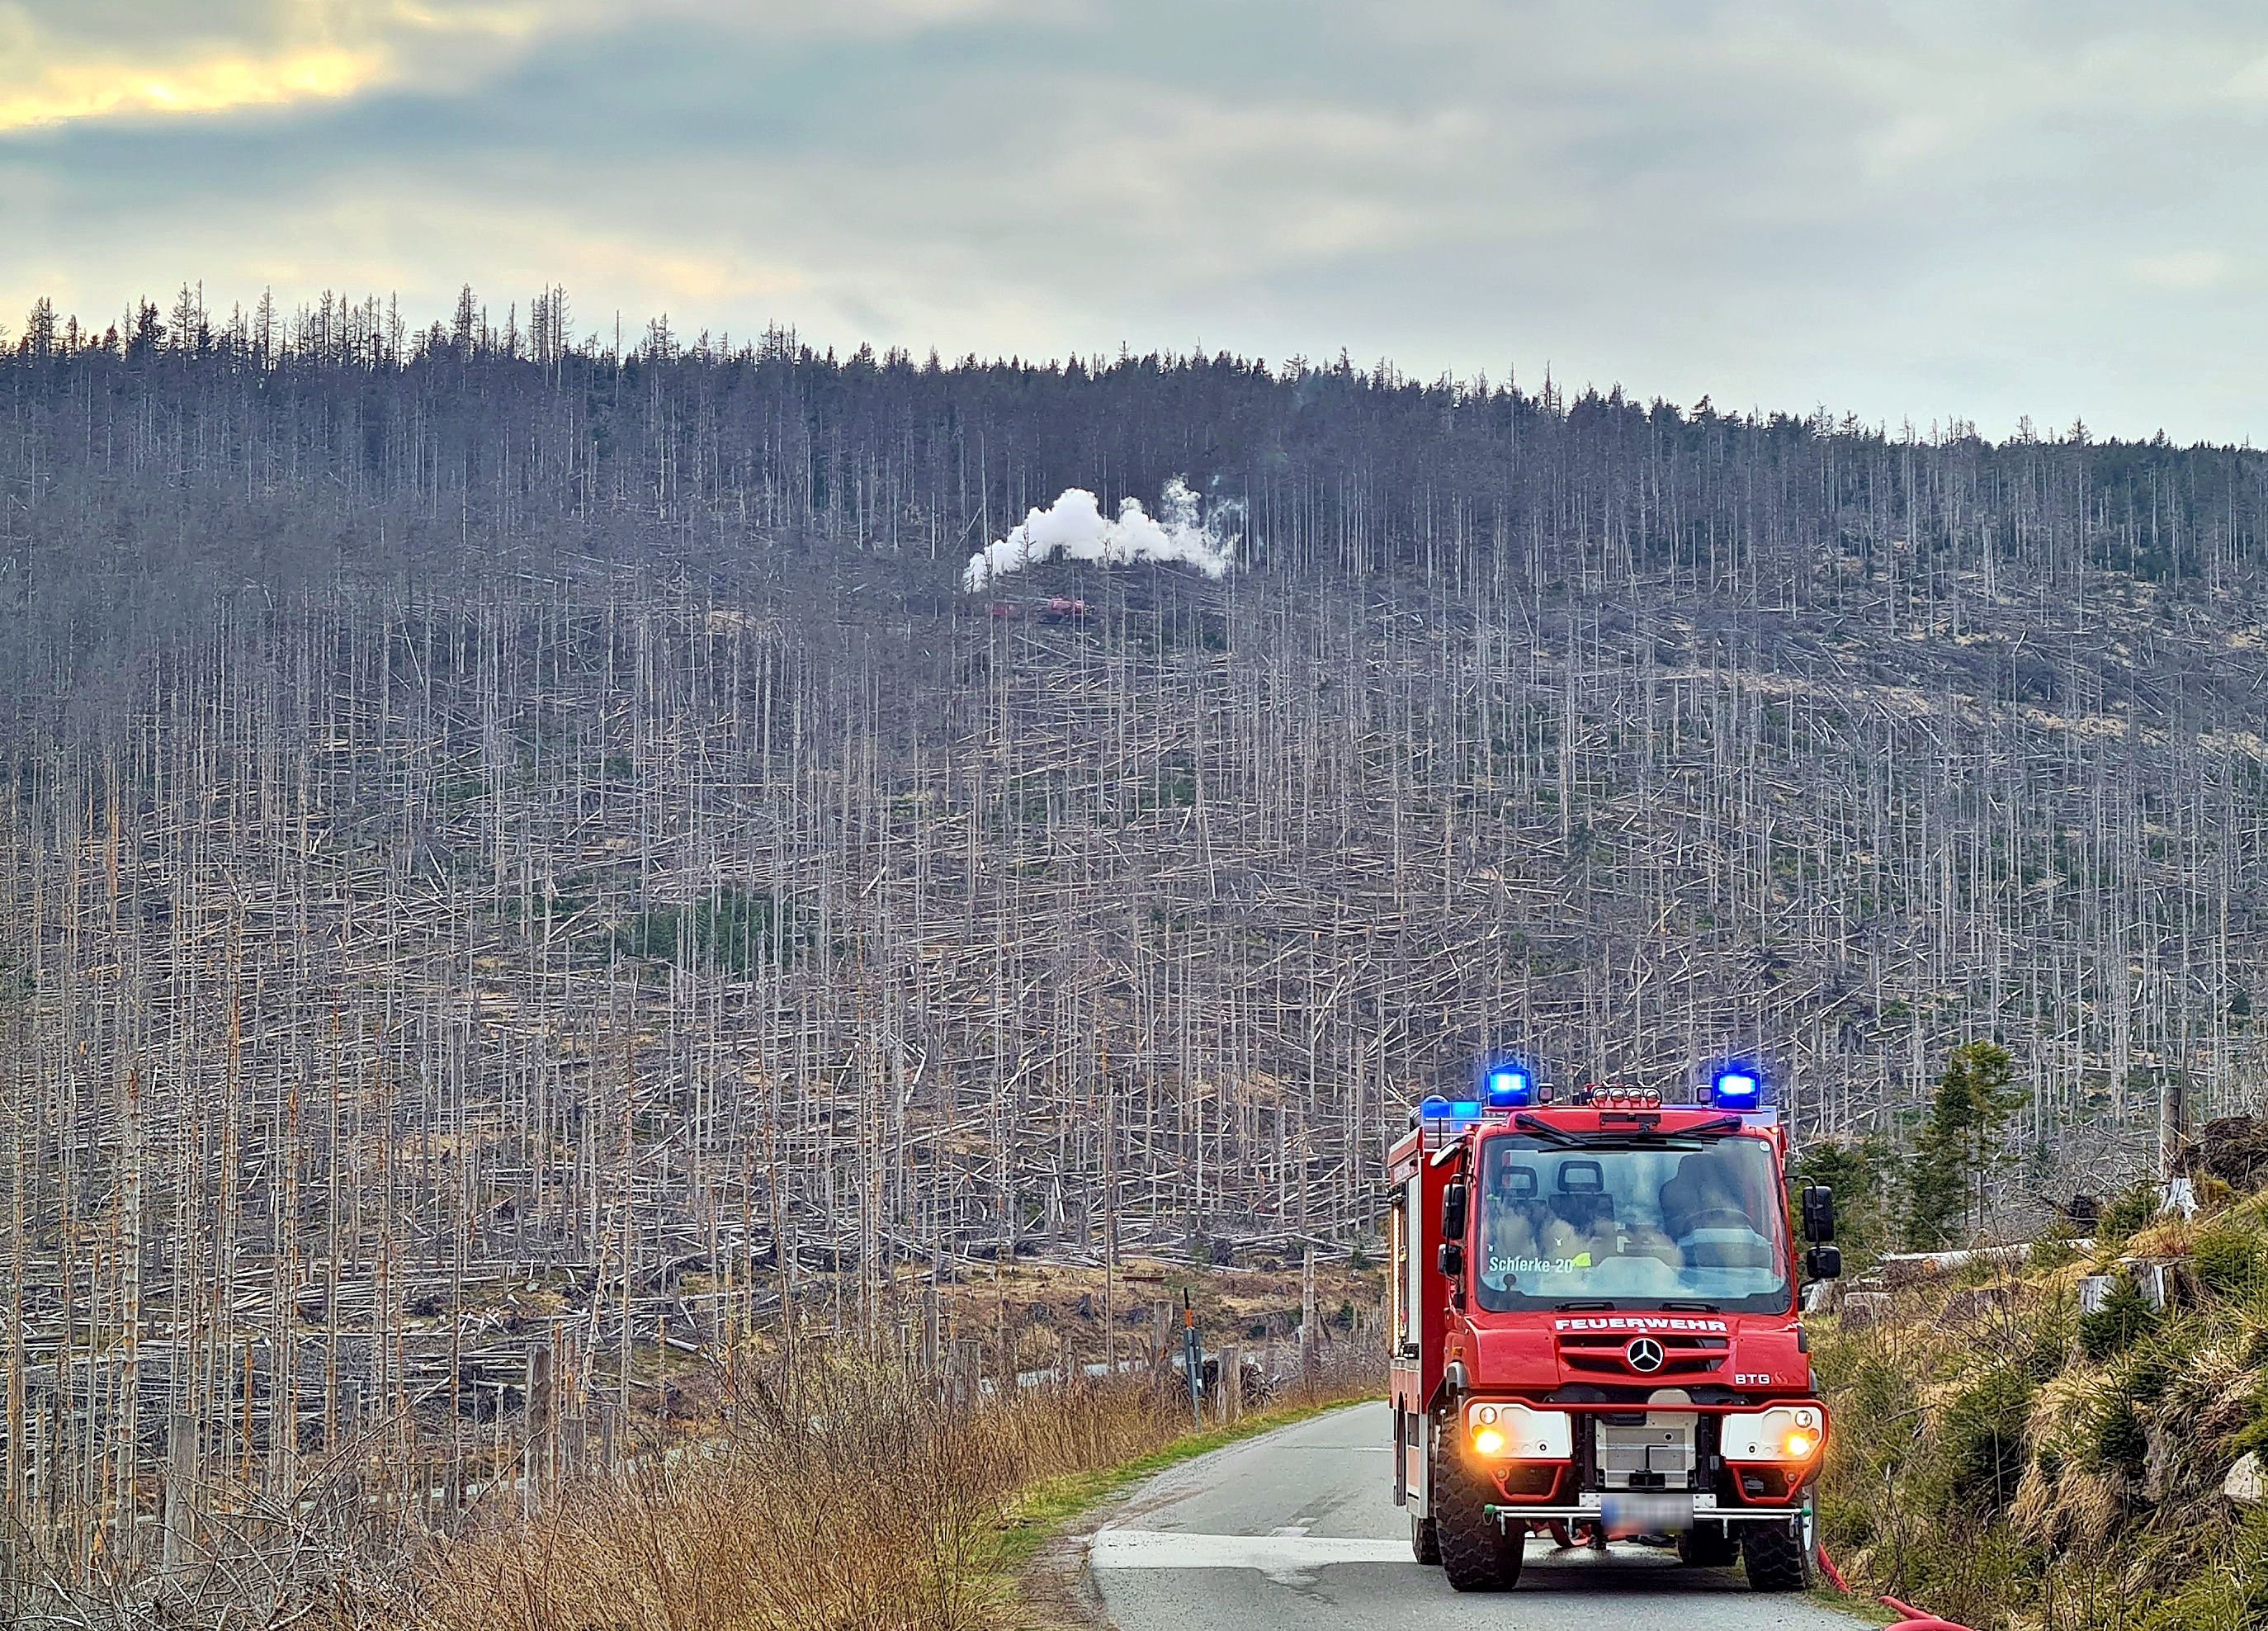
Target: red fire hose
1918	1620
1827	1567
1910	1618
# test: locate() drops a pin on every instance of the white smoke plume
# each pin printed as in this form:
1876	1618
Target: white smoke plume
1073	527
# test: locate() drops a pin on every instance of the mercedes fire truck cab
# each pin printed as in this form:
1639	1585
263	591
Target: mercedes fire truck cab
1594	1329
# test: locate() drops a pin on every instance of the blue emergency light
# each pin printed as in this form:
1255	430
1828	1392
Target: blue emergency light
1509	1089
1738	1090
1438	1109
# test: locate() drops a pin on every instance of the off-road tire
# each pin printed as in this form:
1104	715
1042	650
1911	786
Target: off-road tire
1773	1555
1708	1546
1477	1553
1424	1539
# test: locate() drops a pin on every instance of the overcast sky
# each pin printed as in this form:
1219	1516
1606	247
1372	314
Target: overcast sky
1914	210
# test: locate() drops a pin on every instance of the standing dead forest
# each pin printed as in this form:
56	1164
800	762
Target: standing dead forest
522	863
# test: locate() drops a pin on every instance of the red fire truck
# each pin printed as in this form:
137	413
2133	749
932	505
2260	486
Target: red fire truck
1595	1326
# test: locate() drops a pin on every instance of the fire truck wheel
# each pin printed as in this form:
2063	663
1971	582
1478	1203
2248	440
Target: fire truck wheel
1476	1553
1424	1539
1773	1553
1708	1546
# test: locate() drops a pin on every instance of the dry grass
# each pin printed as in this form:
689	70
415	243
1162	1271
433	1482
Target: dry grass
2166	1238
838	1492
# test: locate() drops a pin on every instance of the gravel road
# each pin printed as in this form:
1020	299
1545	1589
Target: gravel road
1298	1528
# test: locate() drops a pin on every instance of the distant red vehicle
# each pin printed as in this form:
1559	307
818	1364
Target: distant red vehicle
1052	608
1594	1327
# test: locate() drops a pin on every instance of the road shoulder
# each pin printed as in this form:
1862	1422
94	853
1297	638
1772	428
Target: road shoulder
1045	1539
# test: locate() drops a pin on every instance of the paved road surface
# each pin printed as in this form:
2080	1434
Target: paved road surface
1298	1528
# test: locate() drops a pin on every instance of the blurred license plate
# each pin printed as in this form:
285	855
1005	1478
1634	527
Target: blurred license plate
1625	1515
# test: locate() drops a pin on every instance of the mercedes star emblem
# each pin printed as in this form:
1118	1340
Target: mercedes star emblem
1644	1355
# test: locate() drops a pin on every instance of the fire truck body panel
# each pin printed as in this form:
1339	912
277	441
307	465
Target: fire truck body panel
1419	1327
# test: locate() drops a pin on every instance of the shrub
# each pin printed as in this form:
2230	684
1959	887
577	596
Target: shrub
2232	1260
2119	1442
1970	1473
2228	1593
2253	1439
2042	1357
2132	1211
2147	1375
2125	1318
1875	1399
1983	1437
735	931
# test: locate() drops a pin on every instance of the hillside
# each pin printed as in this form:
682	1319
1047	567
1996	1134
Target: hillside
2068	1438
518	851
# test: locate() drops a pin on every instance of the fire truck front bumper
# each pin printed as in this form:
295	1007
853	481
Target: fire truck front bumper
1653	1508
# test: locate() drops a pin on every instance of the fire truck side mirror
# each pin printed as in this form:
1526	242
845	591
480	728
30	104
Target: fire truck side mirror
1818	1213
1823	1262
1453	1260
1452	1210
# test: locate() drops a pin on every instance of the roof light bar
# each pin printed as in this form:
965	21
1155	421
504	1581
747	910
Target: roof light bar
1435	1108
1611	1096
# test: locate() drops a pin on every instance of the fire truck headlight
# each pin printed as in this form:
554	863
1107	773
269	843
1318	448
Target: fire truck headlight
1782	1434
1511	1431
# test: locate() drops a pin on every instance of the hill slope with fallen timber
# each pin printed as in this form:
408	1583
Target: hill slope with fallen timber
534	852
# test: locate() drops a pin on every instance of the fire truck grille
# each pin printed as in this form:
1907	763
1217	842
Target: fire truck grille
1607	1354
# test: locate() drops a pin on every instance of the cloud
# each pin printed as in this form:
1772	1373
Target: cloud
69	91
66	64
2187	268
60	63
1205	187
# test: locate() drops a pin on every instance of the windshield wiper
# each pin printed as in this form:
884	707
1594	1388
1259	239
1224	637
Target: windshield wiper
1695	1308
1549	1133
1570	1308
1644	1134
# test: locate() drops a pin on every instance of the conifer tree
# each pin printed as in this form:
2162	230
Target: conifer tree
1962	1142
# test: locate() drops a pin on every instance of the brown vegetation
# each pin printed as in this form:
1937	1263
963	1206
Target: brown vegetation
948	1420
838	1492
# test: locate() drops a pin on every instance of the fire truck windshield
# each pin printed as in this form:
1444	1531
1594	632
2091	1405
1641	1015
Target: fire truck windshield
1632	1225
